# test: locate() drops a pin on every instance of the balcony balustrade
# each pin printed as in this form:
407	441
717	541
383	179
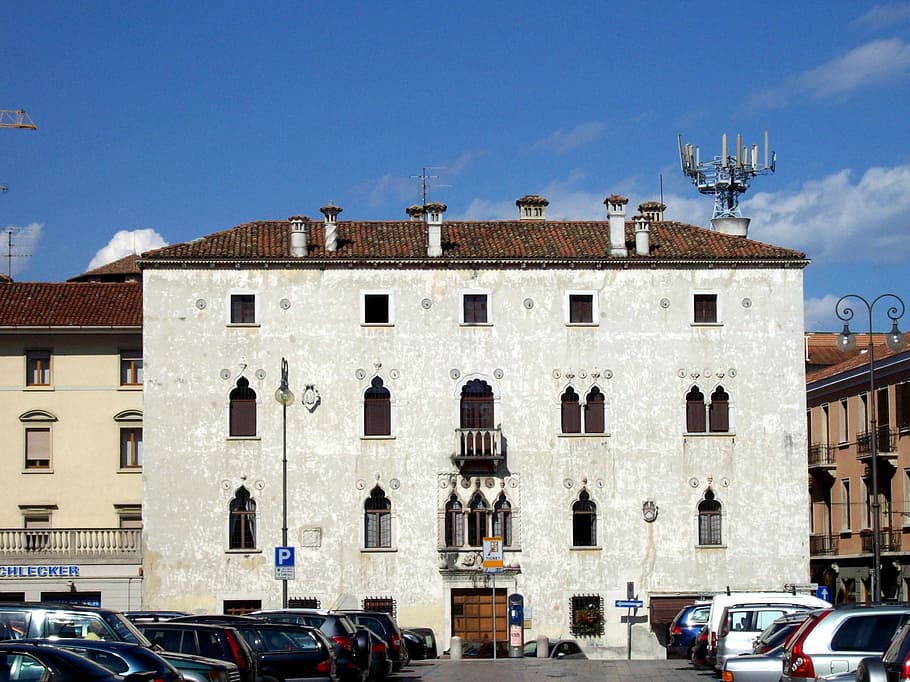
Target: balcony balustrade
822	456
884	444
824	543
76	545
889	540
479	446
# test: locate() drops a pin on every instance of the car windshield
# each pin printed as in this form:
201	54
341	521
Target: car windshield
125	629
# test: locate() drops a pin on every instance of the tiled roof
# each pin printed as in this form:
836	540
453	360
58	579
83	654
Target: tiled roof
121	270
858	361
70	304
554	241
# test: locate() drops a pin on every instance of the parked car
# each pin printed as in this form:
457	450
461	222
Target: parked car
204	639
896	658
30	620
201	669
21	661
289	651
699	657
558	649
754	667
122	658
742	624
684	628
471	648
431	645
378	663
777	632
152	616
834	640
383	624
336	626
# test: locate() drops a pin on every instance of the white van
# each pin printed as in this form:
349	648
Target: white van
723	600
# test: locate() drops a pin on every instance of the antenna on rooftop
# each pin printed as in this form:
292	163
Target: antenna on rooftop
728	175
423	185
9	252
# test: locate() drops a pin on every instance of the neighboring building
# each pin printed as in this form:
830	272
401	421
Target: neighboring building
71	424
840	455
622	402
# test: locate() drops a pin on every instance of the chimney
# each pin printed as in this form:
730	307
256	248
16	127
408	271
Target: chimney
434	229
331	226
299	233
616	214
415	212
653	211
532	207
642	235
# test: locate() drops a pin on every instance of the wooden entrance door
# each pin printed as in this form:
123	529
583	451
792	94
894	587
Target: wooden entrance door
472	614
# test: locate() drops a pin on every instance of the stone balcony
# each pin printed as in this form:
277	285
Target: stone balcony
73	545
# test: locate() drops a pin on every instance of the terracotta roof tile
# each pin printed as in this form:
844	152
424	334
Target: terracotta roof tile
70	304
498	240
120	270
856	361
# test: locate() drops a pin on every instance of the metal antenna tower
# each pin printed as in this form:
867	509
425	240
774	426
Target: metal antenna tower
423	185
9	252
726	176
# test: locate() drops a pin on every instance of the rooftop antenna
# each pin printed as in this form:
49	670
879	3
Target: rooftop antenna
728	175
423	185
9	252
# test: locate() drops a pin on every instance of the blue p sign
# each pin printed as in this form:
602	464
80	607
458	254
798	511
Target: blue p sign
284	556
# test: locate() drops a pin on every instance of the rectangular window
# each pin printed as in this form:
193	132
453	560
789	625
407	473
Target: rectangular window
843	434
846	516
474	309
586	616
38	368
130	448
38	448
902	406
581	308
826	425
131	368
243	309
37	537
378	529
376	308
705	308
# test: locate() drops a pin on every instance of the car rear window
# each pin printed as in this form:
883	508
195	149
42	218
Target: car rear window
210	645
870	632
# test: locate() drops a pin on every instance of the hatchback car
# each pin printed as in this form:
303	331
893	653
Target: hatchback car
21	661
896	658
383	624
288	651
122	658
834	640
741	625
26	620
684	628
777	633
202	639
559	649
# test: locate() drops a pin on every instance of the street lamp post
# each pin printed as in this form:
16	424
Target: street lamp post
284	396
847	343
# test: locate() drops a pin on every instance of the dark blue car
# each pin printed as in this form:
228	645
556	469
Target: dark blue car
685	627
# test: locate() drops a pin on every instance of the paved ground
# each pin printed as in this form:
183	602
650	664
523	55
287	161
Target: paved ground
540	670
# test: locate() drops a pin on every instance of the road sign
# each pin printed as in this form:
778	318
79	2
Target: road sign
629	603
824	592
492	555
284	563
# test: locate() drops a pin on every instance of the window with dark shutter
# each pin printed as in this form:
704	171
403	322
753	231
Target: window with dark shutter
719	411
377	410
377	520
584	521
581	308
243	309
902	406
594	411
571	412
242	520
477	520
454	522
242	409
475	308
376	309
709	520
705	308
695	411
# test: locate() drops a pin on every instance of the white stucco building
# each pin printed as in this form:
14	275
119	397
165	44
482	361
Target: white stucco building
622	401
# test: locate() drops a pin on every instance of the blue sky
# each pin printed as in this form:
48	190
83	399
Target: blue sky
164	121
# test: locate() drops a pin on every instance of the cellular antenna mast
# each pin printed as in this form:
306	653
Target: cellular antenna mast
728	175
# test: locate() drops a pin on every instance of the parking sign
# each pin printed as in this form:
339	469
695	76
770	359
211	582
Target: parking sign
284	563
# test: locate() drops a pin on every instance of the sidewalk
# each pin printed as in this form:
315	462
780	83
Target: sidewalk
541	670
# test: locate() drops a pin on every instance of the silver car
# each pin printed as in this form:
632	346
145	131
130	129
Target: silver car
754	667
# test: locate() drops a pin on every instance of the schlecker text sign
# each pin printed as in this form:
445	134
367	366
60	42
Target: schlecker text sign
62	571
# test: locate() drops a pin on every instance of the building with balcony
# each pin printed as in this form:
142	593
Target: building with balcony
616	401
840	460
71	424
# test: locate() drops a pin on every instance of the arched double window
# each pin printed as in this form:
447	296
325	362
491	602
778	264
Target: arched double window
377	410
709	520
242	520
713	417
242	409
377	519
584	521
576	418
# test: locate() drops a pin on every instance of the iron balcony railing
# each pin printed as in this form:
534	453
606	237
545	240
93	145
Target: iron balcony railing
889	540
824	543
87	545
822	455
479	445
884	444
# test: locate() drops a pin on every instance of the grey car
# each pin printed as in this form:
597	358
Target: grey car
754	667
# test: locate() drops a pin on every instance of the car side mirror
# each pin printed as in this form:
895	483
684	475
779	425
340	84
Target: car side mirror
871	669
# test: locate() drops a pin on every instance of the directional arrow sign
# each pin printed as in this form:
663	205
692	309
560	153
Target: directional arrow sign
629	603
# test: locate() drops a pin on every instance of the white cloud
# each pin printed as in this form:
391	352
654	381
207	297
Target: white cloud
875	63
818	313
124	243
563	141
884	16
24	241
837	220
